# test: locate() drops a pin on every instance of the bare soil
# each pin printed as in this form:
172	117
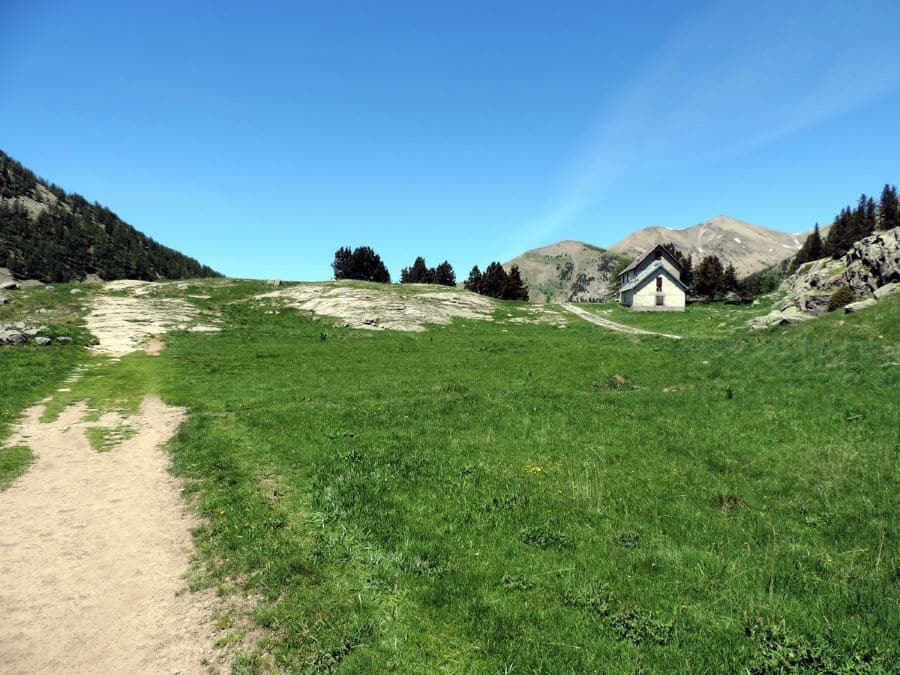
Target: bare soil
612	325
94	547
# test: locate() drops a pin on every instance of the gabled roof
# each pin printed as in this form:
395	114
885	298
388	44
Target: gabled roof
638	261
654	270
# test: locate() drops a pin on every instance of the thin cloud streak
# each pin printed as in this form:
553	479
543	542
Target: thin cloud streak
717	91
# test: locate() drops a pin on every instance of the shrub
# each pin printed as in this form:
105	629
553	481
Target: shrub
842	296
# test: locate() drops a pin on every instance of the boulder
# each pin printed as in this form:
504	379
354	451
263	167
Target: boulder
794	315
75	291
64	340
861	304
4	300
887	291
812	285
9	286
12	337
41	341
50	289
874	262
274	282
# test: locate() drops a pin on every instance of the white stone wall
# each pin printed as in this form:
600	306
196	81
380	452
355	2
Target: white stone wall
645	296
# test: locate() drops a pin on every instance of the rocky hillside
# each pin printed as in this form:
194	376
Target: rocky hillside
748	247
50	235
870	271
566	271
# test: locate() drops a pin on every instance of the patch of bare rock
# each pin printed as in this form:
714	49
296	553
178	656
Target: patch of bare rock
871	269
375	309
125	323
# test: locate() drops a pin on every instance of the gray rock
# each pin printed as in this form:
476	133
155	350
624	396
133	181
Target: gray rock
75	291
31	332
887	291
794	315
12	337
274	282
861	304
50	289
64	340
874	262
9	286
4	300
41	341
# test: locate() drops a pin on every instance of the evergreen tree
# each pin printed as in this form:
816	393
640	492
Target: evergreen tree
444	275
493	282
687	274
362	264
417	274
888	209
709	278
473	283
813	249
614	282
515	288
729	280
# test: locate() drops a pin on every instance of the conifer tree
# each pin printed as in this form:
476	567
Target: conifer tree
473	283
813	249
708	280
444	275
888	209
729	280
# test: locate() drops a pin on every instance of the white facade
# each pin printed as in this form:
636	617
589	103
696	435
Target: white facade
653	284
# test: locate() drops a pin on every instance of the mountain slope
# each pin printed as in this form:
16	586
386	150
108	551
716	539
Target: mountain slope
50	235
748	247
567	270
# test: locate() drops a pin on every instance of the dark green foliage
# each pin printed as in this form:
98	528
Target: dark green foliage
420	273
615	283
71	238
687	264
889	208
729	280
362	264
851	225
813	249
842	296
495	282
710	278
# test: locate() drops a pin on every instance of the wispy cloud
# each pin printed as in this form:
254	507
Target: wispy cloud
729	81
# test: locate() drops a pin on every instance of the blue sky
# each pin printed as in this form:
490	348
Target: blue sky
259	137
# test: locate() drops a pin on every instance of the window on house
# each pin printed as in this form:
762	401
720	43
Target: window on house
659	300
659	284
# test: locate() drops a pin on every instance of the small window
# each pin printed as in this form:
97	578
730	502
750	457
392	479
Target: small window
659	284
659	300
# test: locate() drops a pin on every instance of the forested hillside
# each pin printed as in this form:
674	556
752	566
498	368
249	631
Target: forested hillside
53	236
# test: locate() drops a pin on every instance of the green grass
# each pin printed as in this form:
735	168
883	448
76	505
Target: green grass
469	499
13	463
490	496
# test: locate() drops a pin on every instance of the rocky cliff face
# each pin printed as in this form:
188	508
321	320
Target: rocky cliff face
871	269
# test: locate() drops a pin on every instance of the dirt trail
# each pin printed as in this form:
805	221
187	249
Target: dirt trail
612	325
93	550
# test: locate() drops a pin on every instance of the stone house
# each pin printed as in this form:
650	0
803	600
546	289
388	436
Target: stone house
652	283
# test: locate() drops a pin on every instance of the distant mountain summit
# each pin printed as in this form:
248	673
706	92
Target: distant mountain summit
748	247
566	271
50	235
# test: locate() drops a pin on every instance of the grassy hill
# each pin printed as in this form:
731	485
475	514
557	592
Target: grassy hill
500	495
51	235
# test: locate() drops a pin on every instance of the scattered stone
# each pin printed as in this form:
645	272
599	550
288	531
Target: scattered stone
861	304
9	286
50	289
75	291
31	332
64	340
41	341
274	282
4	300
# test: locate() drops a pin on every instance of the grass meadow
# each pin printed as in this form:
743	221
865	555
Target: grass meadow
502	497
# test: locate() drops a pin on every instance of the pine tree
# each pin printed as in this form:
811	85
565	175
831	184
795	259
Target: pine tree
473	283
444	275
708	280
888	209
729	280
515	288
417	274
813	249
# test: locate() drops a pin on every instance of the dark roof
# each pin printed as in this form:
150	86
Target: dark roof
637	261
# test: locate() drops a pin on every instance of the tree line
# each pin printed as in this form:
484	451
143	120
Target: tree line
73	238
364	264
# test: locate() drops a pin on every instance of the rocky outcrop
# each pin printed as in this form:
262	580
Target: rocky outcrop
871	269
873	262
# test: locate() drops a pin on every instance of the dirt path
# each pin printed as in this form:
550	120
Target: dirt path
93	550
611	325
